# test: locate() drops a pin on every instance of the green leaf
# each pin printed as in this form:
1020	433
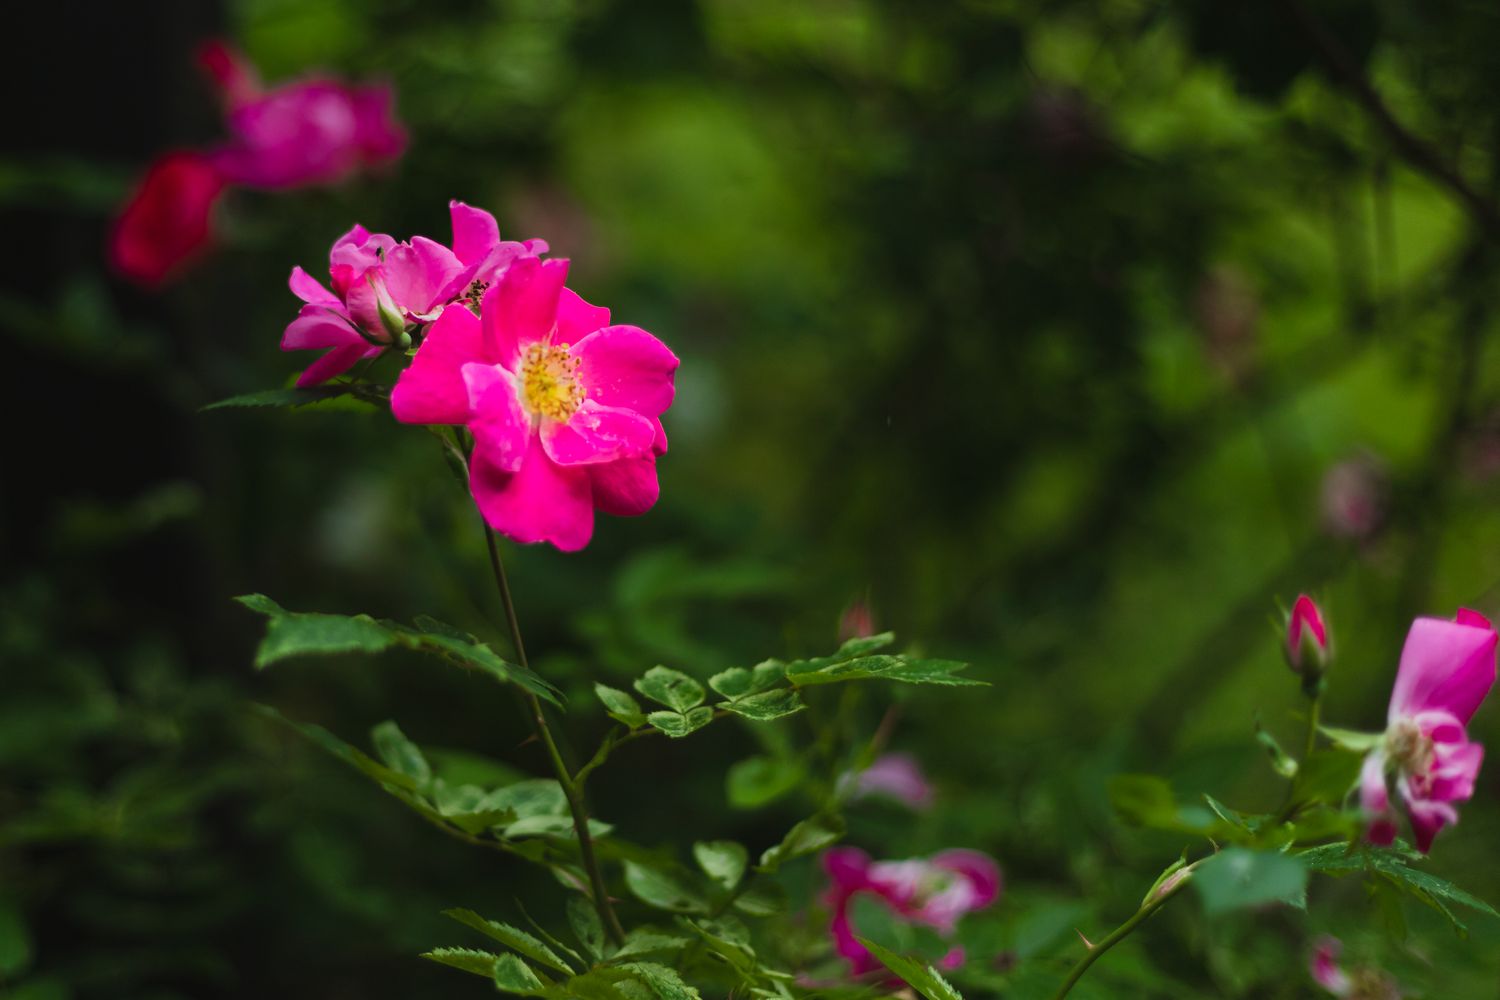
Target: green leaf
1392	864
763	898
514	976
1350	739
672	688
584	919
736	682
400	754
513	938
1281	762
480	963
530	798
863	645
723	861
291	633
1238	877
679	724
1327	776
283	397
728	938
921	977
664	888
647	941
756	781
767	705
620	706
664	982
810	835
826	670
390	779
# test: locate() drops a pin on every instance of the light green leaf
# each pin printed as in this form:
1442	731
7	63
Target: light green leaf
514	976
1350	739
918	975
480	963
736	682
663	981
1238	877
724	861
679	724
756	781
511	937
672	688
647	941
620	706
764	898
863	645
533	797
767	705
810	835
664	888
827	670
400	753
584	919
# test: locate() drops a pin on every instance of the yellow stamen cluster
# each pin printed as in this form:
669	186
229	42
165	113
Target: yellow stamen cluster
549	383
1408	748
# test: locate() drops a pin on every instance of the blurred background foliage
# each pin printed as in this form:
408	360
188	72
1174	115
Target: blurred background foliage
1069	336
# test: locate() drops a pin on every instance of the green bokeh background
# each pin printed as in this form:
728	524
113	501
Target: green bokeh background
1037	327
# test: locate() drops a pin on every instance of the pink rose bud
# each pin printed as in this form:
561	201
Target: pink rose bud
1306	637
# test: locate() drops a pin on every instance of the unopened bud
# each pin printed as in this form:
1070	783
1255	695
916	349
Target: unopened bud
1306	638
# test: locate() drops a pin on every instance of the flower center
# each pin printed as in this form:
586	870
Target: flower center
1408	748
549	384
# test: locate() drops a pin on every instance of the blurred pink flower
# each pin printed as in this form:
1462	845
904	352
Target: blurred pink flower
564	408
167	220
314	131
382	288
933	892
857	621
1446	670
1306	636
1353	497
1362	984
896	776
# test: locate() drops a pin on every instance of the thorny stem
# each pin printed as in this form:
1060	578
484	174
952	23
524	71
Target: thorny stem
1117	935
571	789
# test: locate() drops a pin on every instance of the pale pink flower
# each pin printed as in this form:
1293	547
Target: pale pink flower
314	131
933	892
564	408
1306	636
1426	757
1361	984
895	776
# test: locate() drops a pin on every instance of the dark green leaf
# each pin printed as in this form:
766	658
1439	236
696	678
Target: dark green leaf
620	706
1392	863
919	976
756	781
810	835
724	861
1237	877
584	919
646	941
664	887
283	397
672	688
511	937
400	754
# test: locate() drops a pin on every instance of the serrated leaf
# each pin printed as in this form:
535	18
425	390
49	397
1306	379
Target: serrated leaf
664	982
1351	739
480	963
512	937
827	670
620	706
584	920
400	754
810	835
514	976
391	780
680	724
1238	877
756	781
767	705
529	798
764	898
646	941
1392	864
292	633
282	397
736	682
918	975
727	937
664	888
863	645
672	688
724	861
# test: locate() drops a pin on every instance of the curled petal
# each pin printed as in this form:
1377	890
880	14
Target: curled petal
475	232
310	289
540	502
626	366
577	319
318	326
1446	666
416	272
335	362
432	389
595	434
1427	819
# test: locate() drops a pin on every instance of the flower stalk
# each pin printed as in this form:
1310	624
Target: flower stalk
1154	901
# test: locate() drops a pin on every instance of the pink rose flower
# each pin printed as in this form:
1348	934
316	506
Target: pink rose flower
933	892
564	407
167	220
315	131
896	776
1361	984
381	289
1426	758
1306	636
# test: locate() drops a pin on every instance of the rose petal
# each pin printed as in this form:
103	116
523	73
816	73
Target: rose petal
541	502
626	366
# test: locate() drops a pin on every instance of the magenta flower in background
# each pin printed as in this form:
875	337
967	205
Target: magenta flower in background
167	220
1361	984
1426	758
314	131
1306	636
895	776
1354	496
564	407
381	288
933	892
